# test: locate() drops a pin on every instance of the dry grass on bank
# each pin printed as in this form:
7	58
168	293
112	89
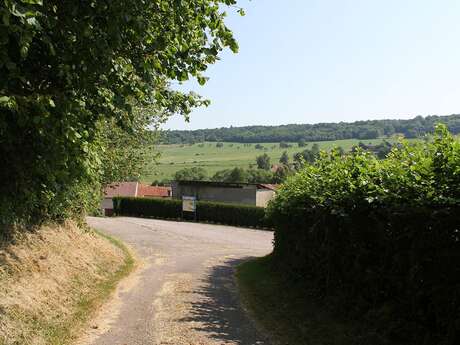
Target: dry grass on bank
51	282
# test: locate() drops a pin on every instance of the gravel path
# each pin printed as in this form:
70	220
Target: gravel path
183	292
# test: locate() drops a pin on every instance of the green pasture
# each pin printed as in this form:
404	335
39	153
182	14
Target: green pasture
212	158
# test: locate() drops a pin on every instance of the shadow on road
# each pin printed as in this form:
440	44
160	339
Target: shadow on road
218	311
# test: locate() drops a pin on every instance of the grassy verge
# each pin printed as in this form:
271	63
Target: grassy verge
88	304
289	313
54	281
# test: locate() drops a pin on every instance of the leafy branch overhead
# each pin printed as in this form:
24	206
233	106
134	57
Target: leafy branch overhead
112	55
70	69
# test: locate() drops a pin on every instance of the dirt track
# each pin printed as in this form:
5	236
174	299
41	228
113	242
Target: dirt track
183	292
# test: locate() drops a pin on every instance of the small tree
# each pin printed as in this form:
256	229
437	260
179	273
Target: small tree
237	175
341	150
281	173
260	176
191	174
263	162
231	175
221	175
315	149
284	145
284	159
302	143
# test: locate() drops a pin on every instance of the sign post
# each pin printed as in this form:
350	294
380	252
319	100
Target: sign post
189	205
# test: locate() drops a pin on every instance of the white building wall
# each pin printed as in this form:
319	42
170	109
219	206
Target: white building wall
263	197
107	203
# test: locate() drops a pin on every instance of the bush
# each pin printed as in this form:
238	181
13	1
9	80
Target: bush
229	214
379	239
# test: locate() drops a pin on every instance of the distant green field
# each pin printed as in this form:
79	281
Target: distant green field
212	158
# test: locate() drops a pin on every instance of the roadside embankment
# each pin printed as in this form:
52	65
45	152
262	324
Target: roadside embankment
52	281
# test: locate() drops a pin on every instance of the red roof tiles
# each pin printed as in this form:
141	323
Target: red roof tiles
135	189
153	191
121	189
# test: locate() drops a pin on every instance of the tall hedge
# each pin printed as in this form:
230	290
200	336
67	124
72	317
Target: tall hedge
231	214
379	239
222	213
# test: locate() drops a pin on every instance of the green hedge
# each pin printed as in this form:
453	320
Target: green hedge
400	268
221	213
231	214
379	239
149	208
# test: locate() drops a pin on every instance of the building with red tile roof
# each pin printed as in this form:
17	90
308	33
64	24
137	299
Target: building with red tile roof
121	189
131	189
153	191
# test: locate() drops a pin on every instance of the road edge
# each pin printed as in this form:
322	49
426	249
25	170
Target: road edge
90	305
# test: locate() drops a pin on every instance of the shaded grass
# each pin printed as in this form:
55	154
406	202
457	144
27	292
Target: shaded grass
289	312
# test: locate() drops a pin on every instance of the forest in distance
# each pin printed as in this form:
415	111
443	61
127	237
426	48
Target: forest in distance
363	130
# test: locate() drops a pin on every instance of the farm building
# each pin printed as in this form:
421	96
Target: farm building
131	189
237	193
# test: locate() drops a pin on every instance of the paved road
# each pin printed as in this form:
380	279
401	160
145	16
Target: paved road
183	292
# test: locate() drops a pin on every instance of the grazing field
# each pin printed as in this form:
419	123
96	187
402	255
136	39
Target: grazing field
230	155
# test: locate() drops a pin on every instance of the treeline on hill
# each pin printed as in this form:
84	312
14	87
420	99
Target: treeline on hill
234	175
378	240
364	130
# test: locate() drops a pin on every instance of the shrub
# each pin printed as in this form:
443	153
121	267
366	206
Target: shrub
222	213
379	238
284	145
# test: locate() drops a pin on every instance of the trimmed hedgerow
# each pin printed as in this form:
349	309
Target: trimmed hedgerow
229	214
149	208
379	239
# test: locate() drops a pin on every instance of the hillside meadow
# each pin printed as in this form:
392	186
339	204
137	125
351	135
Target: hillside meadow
207	155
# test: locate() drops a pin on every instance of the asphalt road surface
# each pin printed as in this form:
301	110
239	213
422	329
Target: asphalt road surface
183	291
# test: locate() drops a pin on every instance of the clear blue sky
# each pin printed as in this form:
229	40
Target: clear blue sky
309	61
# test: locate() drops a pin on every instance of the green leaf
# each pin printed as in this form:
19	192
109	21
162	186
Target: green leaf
33	2
202	80
4	100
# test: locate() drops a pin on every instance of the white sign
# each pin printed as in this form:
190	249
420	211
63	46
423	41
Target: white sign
188	203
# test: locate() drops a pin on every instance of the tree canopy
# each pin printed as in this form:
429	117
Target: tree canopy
302	133
263	162
284	159
72	73
191	174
